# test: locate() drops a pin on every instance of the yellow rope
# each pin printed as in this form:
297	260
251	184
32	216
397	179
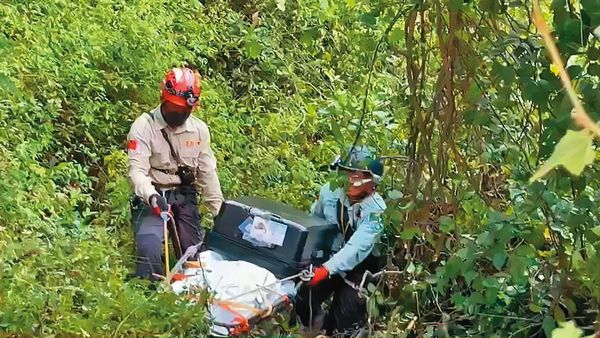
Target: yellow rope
166	238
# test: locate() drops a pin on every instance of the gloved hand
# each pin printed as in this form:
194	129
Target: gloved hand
186	175
320	274
158	204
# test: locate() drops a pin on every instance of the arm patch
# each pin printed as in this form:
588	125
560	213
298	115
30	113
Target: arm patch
375	217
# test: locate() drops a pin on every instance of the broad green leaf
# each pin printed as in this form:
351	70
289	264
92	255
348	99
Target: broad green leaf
574	151
559	10
567	330
559	315
484	239
499	259
409	233
368	19
408	207
490	6
477	117
371	287
570	31
490	295
253	49
596	230
577	260
462	253
535	308
593	53
526	251
473	94
308	36
446	224
395	194
548	325
571	306
592	9
574	71
395	35
594	69
470	276
458	299
490	282
453	267
336	130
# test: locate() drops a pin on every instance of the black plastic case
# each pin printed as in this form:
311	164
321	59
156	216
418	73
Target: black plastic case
308	238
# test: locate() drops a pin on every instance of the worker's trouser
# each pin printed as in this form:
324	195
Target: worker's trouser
348	311
149	228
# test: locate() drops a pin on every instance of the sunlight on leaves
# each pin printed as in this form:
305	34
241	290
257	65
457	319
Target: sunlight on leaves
567	330
574	151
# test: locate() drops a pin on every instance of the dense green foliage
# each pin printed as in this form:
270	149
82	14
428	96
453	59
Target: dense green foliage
460	92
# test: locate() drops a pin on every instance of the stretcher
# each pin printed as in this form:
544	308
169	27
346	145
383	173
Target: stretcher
242	293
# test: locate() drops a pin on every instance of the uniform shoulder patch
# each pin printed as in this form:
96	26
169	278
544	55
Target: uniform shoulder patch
375	217
132	145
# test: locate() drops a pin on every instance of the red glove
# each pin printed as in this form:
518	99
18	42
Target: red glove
320	274
158	204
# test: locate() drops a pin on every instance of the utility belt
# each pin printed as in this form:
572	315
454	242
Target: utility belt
174	195
179	189
186	174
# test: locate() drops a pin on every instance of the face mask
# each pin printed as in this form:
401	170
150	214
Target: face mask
360	182
175	119
357	190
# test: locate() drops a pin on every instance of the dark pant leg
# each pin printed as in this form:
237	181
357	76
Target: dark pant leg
348	312
315	295
148	230
184	203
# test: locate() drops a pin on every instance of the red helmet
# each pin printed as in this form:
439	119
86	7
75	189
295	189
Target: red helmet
181	86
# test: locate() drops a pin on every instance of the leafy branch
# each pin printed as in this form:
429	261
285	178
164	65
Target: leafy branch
574	151
398	15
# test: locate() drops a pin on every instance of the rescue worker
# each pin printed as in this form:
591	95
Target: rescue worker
357	210
170	159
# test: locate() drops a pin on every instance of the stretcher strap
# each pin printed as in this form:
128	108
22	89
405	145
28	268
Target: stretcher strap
243	325
267	312
229	304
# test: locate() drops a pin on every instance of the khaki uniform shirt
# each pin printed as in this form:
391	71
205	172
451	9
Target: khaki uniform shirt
150	159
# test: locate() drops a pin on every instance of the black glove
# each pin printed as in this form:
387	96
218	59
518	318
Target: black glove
158	204
186	174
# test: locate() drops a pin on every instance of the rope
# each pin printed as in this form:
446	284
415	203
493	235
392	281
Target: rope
243	325
302	275
229	304
166	239
268	312
176	238
362	291
188	252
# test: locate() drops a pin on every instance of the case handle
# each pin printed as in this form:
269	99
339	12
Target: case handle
254	211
